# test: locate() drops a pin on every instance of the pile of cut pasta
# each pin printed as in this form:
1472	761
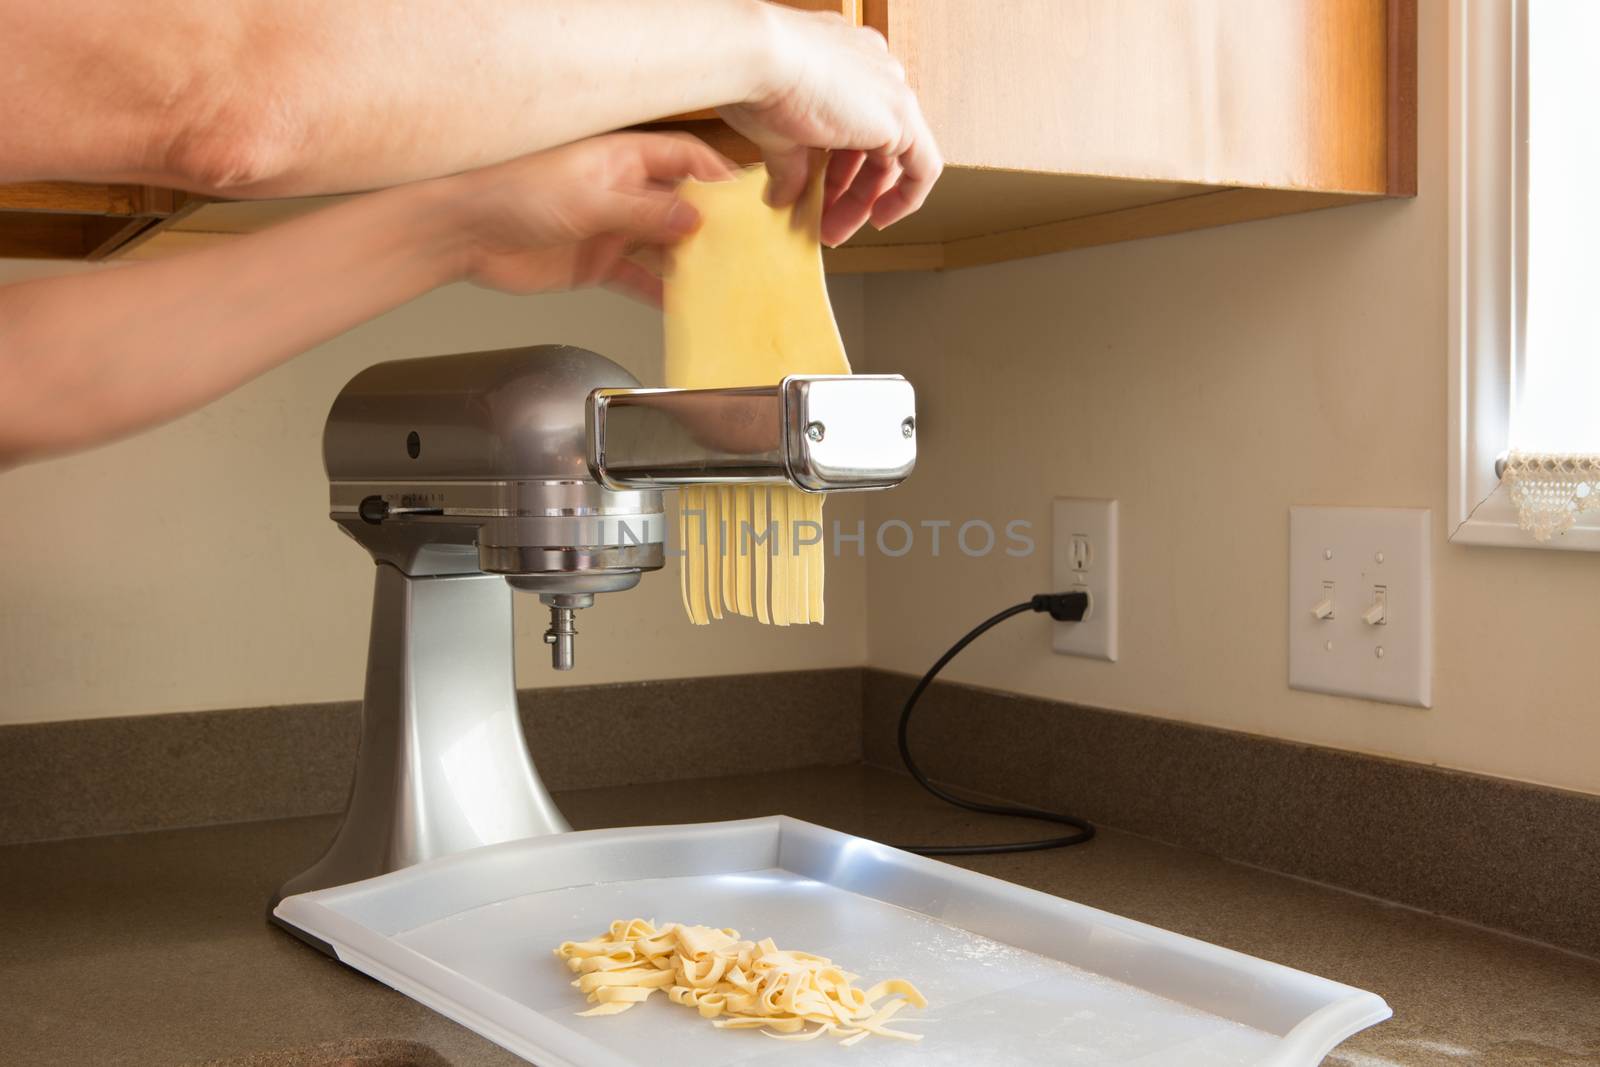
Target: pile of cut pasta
739	985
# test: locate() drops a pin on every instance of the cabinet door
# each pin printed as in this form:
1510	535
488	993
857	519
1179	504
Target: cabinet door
1290	94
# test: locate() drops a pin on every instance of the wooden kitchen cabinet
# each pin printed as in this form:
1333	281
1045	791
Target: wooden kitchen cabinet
1070	123
70	220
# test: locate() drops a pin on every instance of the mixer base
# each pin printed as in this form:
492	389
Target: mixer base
443	765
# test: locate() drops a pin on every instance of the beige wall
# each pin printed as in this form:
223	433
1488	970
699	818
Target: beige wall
194	566
1208	381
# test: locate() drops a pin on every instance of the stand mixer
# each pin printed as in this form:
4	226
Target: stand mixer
537	469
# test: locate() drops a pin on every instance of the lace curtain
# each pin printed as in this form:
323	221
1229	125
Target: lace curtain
1550	490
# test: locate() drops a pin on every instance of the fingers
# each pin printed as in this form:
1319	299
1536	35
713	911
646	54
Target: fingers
631	279
788	162
873	178
843	166
788	170
652	258
608	261
920	166
670	157
848	93
643	216
622	267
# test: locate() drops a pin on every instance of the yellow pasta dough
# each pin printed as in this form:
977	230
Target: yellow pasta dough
746	304
793	996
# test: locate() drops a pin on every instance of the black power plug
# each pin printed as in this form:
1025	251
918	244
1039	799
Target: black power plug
1063	607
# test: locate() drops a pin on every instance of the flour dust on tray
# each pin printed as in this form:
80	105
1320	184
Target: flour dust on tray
739	985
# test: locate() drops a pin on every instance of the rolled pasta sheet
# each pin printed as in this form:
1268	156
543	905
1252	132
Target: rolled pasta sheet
746	303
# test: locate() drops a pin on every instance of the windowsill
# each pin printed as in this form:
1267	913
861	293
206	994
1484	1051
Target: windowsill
1494	522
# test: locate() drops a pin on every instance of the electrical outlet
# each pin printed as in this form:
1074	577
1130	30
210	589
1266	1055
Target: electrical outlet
1084	556
1361	603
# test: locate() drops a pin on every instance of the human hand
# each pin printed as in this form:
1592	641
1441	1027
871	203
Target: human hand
574	216
835	86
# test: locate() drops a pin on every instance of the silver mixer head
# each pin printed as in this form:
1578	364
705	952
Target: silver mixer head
547	464
475	463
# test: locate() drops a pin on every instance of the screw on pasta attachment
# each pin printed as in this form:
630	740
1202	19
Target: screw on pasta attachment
739	985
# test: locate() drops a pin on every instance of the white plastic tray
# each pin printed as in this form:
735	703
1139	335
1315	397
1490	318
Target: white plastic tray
1013	976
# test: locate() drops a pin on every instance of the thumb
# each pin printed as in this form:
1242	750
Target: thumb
788	170
645	216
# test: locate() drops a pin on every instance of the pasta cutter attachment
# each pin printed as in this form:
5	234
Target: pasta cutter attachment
819	433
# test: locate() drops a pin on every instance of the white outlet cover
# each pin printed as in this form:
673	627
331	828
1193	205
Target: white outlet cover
1360	550
1096	635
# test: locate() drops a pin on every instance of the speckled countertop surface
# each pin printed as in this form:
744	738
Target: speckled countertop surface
153	948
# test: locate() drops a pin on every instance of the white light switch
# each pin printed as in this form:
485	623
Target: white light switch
1361	603
1084	556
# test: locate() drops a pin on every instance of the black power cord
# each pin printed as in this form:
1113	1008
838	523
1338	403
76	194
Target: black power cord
1063	607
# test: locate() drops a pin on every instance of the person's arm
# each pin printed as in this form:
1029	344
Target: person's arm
258	98
86	358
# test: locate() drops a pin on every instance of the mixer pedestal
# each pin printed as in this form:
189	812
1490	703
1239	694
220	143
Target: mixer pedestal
443	765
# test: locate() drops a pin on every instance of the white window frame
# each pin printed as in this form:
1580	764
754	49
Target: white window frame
1487	256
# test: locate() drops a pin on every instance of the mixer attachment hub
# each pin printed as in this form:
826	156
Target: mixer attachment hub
560	637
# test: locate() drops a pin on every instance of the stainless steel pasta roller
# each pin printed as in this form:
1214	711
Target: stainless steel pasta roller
542	470
820	433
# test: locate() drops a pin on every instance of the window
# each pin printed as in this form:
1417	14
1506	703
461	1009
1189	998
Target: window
1525	333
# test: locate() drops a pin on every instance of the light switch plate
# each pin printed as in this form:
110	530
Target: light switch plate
1375	567
1084	556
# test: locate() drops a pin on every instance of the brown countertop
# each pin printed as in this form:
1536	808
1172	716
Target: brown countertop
153	948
